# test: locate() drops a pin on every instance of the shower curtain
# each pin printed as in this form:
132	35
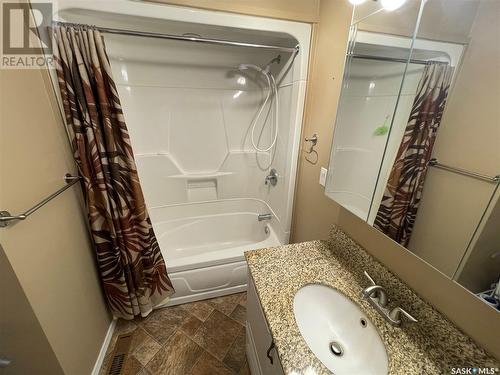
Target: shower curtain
398	208
132	269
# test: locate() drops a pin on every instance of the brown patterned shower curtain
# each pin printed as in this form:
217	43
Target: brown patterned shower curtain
132	269
398	208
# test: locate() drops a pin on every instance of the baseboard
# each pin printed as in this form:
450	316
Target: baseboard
104	348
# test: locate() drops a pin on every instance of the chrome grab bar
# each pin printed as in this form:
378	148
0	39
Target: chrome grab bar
435	163
6	218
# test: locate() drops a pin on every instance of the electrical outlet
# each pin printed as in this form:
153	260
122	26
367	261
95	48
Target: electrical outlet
322	176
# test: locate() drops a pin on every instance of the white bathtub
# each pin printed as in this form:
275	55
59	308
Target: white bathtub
204	243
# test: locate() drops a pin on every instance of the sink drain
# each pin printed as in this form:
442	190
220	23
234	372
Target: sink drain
336	349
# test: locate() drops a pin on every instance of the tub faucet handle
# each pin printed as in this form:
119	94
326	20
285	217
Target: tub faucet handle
272	177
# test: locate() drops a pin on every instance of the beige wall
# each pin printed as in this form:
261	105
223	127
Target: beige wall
49	252
296	10
22	338
314	213
323	92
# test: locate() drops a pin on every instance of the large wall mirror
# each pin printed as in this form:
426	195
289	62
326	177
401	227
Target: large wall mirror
416	148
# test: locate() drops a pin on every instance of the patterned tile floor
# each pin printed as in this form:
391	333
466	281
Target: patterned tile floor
199	338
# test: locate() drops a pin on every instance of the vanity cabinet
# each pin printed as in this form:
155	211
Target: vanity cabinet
261	353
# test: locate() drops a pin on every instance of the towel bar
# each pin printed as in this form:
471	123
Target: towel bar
435	163
6	218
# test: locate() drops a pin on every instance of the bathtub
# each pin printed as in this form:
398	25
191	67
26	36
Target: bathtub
204	243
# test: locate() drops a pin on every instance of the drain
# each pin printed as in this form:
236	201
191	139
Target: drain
363	322
336	349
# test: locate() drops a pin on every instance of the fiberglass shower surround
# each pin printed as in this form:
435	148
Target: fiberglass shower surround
202	150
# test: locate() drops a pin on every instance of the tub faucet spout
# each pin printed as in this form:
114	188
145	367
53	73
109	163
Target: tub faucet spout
262	217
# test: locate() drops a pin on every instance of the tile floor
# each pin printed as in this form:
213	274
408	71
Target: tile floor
199	338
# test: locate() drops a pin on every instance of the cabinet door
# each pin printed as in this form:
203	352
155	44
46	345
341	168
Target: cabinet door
262	356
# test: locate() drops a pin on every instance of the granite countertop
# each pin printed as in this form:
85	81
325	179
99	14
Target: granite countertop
431	346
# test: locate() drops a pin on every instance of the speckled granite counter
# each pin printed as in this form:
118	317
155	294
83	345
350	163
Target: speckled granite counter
431	346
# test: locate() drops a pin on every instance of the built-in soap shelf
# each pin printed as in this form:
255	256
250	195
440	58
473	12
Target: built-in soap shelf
201	186
200	176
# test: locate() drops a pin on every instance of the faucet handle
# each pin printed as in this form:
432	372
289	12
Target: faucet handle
395	315
369	278
375	291
272	177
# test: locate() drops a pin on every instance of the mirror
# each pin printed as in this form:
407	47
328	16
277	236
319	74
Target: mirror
416	146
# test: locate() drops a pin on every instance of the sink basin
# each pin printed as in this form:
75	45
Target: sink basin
338	333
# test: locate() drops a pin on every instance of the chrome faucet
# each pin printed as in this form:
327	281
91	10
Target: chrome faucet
376	292
272	177
377	297
263	217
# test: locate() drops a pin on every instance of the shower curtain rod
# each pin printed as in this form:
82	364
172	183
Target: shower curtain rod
394	59
186	38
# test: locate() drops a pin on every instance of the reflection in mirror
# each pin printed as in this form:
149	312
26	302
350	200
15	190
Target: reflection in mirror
468	136
417	137
390	17
479	269
373	78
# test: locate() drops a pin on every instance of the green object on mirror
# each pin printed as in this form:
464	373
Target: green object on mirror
382	129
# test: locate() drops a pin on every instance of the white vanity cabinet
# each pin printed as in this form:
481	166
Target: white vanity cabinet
261	353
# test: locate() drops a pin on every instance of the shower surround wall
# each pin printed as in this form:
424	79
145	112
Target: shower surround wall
189	113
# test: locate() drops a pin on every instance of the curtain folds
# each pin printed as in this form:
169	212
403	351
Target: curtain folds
132	269
398	208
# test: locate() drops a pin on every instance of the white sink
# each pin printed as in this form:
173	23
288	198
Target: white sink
338	333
